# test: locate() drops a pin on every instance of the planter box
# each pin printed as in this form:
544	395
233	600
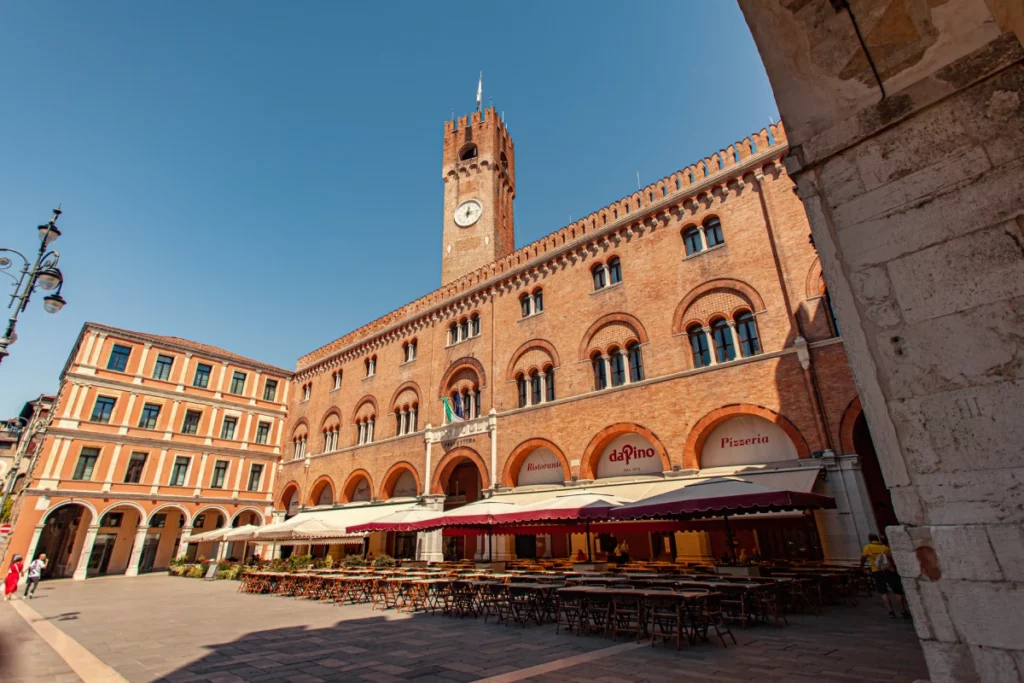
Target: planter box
727	570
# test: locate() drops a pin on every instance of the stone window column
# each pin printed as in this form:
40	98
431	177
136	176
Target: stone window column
543	387
403	417
711	338
369	432
703	238
626	366
735	338
607	370
413	424
136	556
83	558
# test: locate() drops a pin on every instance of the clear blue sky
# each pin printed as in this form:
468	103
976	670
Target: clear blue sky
266	176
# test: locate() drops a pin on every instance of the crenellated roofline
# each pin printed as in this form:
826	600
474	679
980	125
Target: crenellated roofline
672	195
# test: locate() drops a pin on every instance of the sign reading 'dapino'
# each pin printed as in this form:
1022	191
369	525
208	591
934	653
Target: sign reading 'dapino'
746	440
541	466
629	454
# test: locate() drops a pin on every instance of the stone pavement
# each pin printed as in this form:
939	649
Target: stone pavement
163	628
24	656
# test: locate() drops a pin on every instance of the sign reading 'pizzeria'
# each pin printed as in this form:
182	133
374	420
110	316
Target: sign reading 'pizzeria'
629	454
746	440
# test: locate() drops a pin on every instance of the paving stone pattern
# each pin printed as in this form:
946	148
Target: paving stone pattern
171	629
24	656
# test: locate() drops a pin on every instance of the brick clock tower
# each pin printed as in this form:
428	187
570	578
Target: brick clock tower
479	186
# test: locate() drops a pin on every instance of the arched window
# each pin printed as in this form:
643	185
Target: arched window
464	329
475	325
524	302
614	271
692	240
538	300
600	278
337	379
535	392
453	333
476	402
746	328
521	389
600	378
725	349
618	367
550	374
636	363
410	351
468	152
713	232
699	346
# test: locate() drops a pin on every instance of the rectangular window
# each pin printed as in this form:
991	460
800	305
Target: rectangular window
112	519
262	432
119	358
220	473
133	475
202	378
238	383
162	367
180	471
103	409
158	521
270	390
227	429
190	425
150	412
255	472
86	464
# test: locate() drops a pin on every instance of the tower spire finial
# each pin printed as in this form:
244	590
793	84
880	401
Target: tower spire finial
480	91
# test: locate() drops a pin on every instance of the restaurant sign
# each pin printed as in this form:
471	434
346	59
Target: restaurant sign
362	492
541	467
405	486
629	454
746	440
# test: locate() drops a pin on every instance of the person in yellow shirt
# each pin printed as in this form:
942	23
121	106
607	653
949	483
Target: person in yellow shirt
879	558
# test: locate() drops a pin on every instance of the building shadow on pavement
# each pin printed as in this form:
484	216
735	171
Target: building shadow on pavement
846	643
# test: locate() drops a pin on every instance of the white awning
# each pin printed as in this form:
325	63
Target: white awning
329	525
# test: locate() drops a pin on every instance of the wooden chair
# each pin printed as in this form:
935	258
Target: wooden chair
571	606
667	619
597	613
628	614
713	616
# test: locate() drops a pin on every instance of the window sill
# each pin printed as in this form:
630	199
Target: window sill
368	377
331	391
531	316
407	362
606	288
462	341
701	253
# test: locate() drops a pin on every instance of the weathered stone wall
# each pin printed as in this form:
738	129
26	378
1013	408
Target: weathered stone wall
916	208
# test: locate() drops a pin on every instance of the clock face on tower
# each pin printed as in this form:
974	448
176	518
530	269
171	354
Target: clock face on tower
468	213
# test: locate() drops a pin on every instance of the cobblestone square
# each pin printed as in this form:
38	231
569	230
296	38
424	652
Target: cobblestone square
159	628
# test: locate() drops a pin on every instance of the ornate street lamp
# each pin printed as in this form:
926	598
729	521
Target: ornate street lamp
43	274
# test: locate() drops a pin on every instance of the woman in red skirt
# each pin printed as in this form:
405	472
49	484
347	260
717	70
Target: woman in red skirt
14	573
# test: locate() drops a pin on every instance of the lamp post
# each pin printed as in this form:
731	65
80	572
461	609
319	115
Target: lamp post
43	273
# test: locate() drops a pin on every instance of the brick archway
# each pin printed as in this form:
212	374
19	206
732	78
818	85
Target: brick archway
318	487
541	344
461	363
353	480
623	318
705	425
387	487
742	288
286	494
588	465
846	426
510	477
450	461
815	279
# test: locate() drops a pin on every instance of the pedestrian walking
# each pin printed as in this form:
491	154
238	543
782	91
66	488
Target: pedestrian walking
14	573
35	574
883	571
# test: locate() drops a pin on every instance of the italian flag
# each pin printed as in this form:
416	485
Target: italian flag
449	413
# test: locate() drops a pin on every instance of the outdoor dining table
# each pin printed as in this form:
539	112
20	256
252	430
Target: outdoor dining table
597	579
688	600
531	601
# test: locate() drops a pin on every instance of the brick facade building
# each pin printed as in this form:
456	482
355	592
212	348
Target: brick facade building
151	438
688	321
